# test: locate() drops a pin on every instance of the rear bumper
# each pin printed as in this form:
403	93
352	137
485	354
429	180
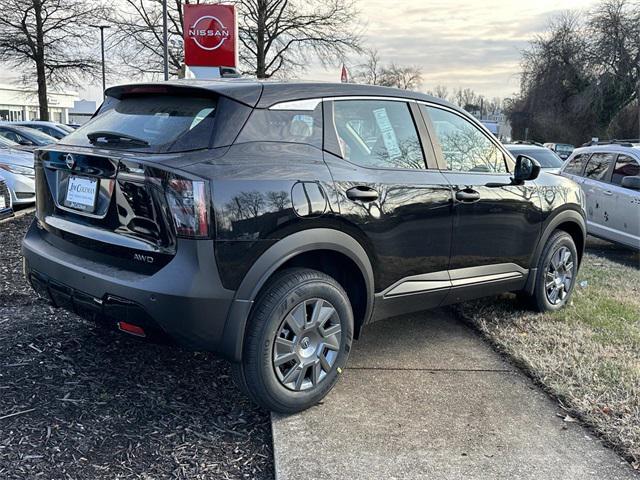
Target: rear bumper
184	300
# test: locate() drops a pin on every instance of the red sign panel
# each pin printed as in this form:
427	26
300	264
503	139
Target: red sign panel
210	35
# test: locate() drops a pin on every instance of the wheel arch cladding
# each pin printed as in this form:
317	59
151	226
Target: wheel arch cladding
330	251
570	221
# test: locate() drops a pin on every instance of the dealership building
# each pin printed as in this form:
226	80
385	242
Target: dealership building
21	103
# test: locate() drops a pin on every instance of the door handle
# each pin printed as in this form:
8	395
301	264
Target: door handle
362	193
467	195
608	193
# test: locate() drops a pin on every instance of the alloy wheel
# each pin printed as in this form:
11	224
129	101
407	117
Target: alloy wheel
307	344
559	275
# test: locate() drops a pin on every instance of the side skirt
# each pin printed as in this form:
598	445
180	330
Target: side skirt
422	292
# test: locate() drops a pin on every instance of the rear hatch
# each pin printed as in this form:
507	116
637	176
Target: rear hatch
115	191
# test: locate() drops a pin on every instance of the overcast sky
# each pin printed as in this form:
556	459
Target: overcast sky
458	43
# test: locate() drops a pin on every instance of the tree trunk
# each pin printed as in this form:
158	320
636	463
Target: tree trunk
43	102
260	40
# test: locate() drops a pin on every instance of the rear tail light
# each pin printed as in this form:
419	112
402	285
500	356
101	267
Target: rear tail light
188	202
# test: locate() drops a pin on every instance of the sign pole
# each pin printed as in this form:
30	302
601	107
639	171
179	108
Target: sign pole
165	39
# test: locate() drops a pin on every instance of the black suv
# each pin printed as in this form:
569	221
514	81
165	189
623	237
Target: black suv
269	222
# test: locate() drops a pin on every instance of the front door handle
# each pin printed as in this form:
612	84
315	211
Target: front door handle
608	193
362	193
467	195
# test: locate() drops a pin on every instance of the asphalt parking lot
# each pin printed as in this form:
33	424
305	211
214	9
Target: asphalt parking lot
80	402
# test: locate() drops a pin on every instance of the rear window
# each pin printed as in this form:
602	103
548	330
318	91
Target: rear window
545	157
159	123
288	126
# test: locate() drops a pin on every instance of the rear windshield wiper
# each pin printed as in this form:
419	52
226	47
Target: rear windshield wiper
115	137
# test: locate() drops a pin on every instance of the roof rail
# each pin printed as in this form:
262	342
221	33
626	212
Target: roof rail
621	142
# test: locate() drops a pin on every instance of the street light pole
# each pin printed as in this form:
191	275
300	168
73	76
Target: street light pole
104	78
165	37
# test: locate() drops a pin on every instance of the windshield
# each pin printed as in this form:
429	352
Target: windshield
6	143
37	135
545	157
156	123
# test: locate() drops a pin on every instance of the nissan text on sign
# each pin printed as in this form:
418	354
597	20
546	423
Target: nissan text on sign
210	36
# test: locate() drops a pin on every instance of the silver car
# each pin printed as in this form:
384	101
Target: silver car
16	168
609	175
6	209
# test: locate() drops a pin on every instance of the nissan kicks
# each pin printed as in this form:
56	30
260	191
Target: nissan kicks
270	222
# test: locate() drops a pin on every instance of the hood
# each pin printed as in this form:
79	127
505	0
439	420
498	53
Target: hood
16	157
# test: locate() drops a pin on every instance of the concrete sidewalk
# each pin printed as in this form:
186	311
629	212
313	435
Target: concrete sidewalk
425	397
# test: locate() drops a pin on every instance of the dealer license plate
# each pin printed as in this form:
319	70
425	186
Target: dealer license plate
82	193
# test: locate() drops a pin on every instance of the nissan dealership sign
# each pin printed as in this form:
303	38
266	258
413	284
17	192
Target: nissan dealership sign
210	36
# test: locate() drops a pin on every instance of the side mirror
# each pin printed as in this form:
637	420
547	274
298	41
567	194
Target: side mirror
632	183
527	168
25	142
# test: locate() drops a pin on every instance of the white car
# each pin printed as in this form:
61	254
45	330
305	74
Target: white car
609	175
16	168
6	209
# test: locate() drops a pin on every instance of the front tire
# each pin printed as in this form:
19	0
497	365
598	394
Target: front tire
297	341
557	271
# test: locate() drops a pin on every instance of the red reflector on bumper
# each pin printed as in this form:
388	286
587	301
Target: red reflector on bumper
132	329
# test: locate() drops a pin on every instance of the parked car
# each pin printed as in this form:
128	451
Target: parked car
609	175
53	129
270	222
563	150
6	209
548	160
16	168
25	136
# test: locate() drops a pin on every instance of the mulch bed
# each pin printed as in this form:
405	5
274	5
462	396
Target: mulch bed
80	402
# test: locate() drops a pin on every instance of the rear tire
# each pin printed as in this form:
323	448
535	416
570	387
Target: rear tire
556	274
297	341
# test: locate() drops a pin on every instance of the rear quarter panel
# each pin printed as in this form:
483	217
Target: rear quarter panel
262	192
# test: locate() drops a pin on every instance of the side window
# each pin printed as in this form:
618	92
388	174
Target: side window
9	135
464	146
625	167
290	126
378	133
598	166
574	167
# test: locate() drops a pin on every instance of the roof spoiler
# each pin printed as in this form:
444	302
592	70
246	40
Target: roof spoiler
242	92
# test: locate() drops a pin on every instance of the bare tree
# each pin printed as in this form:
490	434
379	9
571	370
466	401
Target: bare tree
280	36
440	91
50	38
137	39
276	37
373	72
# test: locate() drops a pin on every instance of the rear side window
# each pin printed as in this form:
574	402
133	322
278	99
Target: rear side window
598	166
574	167
378	134
151	122
288	126
625	167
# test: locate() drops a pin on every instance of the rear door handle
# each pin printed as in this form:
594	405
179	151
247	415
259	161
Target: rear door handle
362	193
467	195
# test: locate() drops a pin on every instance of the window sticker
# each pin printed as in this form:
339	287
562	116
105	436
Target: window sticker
388	135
